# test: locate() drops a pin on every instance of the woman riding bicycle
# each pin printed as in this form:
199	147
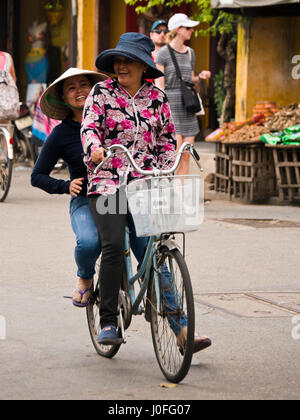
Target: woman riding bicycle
131	111
64	100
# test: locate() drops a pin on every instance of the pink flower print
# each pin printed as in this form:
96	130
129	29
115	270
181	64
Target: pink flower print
115	141
96	110
168	146
126	124
102	138
108	85
171	128
146	113
110	123
117	162
157	116
153	95
92	126
165	110
122	102
147	136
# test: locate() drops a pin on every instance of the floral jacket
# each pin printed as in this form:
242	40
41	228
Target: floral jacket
142	123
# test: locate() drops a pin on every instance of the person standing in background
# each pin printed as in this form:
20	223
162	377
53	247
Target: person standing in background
186	124
7	63
158	35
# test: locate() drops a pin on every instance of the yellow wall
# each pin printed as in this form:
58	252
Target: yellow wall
86	34
201	46
86	29
117	21
264	63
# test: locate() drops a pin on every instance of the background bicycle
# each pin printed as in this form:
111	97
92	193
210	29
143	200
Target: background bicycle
25	151
161	288
6	162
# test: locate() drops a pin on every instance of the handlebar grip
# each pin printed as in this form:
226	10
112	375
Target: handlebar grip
196	154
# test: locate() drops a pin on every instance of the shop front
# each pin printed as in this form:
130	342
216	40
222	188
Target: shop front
40	37
258	153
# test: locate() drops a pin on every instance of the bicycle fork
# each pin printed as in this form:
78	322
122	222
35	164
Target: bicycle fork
122	326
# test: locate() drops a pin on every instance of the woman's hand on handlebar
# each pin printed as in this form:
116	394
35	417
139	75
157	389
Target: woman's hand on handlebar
98	155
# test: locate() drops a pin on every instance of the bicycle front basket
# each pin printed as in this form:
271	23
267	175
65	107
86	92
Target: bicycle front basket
166	204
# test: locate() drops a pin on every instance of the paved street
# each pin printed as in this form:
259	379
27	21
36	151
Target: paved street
247	292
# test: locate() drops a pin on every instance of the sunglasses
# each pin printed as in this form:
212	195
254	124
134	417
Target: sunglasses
187	28
159	31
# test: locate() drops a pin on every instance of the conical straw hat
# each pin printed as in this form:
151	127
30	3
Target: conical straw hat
52	105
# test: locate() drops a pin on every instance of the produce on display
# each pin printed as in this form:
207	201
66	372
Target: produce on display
289	136
268	124
267	109
247	134
288	116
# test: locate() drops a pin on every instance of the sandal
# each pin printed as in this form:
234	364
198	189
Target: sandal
82	293
200	343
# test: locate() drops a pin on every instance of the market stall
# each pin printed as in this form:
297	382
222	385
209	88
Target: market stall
259	158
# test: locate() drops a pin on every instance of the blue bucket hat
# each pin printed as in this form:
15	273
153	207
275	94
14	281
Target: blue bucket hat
136	47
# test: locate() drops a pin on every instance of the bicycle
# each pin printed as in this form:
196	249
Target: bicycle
24	148
165	295
6	162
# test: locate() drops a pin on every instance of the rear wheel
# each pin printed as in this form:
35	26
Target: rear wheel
6	167
93	315
175	311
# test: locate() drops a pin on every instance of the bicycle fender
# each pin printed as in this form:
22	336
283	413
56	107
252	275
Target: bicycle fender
170	244
10	150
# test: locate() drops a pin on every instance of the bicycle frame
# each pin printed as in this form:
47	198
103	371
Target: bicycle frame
165	292
149	259
143	271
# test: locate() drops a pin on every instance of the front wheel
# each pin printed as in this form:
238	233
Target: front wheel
6	168
172	316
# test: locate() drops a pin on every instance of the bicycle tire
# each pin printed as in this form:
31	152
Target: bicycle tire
173	362
6	169
93	319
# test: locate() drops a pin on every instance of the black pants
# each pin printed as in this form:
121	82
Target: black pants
111	228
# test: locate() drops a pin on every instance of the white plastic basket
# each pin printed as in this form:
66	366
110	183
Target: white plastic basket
166	204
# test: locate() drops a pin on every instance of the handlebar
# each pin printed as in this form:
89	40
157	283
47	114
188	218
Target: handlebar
155	172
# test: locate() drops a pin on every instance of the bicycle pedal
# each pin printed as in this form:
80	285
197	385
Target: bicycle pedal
108	342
